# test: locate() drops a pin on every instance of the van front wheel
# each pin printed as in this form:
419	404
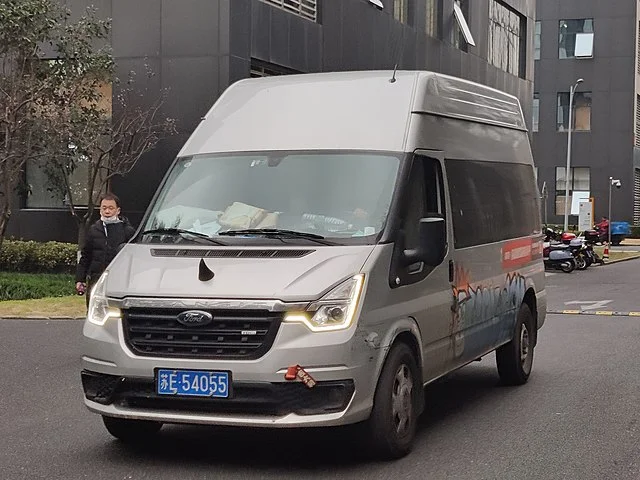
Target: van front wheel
392	425
131	430
515	359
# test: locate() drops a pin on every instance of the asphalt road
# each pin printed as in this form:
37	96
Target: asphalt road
577	417
613	287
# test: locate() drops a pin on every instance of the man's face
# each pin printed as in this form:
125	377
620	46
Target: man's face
108	208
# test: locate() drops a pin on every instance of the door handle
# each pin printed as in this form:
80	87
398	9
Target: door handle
451	271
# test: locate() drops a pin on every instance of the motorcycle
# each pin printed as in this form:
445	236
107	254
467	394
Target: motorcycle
558	257
581	246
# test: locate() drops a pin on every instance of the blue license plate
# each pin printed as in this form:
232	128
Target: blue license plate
192	383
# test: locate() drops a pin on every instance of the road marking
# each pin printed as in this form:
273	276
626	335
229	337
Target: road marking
589	305
600	313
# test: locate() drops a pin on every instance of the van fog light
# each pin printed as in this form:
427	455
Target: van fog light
336	314
335	311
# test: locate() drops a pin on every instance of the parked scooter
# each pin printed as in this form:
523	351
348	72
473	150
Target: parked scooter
581	246
558	257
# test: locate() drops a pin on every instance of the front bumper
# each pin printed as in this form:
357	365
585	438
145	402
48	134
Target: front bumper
268	403
119	383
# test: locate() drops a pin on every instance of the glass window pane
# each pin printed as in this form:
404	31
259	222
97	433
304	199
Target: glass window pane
462	23
560	178
537	41
581	179
560	204
584	45
431	25
582	111
506	42
536	112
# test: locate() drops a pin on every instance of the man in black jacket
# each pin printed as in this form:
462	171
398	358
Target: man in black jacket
101	243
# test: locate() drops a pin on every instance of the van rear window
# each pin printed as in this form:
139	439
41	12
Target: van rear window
492	201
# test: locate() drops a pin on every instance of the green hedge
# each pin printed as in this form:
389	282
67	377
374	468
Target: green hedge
35	257
26	286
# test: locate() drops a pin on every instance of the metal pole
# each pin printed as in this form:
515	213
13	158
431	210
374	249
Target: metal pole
567	171
609	229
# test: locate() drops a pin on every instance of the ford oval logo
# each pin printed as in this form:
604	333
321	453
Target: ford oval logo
195	318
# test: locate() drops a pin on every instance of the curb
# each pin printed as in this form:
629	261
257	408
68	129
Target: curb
618	261
597	313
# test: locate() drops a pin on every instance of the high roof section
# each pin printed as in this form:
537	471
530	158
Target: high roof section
343	111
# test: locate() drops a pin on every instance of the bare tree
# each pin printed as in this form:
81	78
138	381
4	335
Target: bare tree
28	87
103	140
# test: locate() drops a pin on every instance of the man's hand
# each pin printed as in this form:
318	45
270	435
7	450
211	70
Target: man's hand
81	287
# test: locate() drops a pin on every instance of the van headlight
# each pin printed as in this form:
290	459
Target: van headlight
99	309
335	311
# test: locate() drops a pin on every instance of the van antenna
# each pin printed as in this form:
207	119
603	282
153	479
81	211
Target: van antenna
398	53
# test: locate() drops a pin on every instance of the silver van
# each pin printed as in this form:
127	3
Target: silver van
323	246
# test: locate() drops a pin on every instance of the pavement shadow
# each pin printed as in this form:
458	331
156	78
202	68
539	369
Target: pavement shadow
301	449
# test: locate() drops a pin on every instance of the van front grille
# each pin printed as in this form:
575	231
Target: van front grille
232	335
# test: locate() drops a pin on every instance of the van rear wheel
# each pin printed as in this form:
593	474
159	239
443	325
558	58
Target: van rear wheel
131	430
515	359
392	425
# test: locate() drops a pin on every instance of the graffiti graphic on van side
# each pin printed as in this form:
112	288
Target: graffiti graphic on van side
474	304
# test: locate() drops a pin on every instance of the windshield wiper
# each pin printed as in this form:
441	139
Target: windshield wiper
184	234
279	233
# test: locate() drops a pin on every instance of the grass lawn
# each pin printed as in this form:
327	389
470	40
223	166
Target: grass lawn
615	255
70	306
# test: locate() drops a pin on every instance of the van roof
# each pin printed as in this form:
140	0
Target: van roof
343	111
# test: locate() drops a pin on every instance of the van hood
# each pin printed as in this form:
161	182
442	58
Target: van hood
290	275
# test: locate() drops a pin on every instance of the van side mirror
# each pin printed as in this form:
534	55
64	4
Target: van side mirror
433	243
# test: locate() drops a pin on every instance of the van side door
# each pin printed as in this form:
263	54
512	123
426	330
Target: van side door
425	288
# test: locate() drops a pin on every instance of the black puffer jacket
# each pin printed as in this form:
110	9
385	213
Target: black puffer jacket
101	246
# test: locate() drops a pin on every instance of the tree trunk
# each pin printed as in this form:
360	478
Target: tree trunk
5	214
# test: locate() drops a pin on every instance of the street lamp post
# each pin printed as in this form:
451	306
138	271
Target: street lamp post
618	184
572	91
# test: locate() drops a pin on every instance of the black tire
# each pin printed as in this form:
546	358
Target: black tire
391	427
570	267
581	262
515	359
131	430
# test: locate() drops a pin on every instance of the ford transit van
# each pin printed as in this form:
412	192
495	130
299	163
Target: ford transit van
322	247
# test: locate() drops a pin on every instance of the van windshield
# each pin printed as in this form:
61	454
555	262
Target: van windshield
344	197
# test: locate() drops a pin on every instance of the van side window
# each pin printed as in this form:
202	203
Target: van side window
492	201
425	196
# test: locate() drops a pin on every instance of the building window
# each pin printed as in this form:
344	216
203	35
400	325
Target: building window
401	10
576	38
581	111
636	196
579	181
638	51
507	39
636	140
461	33
536	112
432	25
537	41
304	8
266	69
